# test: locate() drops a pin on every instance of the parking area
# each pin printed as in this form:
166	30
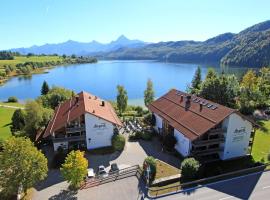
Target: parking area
133	154
54	187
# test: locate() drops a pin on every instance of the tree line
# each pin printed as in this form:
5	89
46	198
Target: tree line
248	93
27	68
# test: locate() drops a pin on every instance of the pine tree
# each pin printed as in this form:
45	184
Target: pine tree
196	82
45	88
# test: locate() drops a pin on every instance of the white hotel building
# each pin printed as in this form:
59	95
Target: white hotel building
84	121
202	128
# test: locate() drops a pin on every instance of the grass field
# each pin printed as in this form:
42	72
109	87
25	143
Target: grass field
164	170
5	119
261	146
23	59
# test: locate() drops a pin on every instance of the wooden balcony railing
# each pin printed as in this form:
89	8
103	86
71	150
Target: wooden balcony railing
75	129
70	138
206	151
208	142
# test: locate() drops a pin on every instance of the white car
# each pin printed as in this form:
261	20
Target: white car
90	173
101	171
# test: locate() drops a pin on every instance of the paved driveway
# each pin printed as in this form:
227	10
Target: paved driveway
133	154
54	187
126	189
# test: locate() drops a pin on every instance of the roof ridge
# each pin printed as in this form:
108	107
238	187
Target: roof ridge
55	116
189	109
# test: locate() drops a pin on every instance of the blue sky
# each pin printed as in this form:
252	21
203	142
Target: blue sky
24	23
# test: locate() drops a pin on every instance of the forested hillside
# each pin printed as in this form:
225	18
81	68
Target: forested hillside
250	47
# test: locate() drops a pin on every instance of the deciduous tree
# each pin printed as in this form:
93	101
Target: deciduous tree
75	168
22	165
122	99
149	93
18	120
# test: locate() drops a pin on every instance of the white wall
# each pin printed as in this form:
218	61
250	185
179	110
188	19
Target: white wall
158	122
99	131
183	144
237	137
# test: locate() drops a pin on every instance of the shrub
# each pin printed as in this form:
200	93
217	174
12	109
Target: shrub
189	168
146	136
170	141
150	161
118	142
141	135
139	111
12	99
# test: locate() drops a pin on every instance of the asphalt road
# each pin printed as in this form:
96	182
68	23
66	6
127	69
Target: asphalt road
253	186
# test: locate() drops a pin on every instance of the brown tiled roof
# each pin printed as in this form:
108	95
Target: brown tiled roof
77	106
192	122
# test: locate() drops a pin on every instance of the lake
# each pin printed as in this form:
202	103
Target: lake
102	78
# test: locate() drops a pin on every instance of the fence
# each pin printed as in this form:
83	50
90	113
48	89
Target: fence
176	188
121	174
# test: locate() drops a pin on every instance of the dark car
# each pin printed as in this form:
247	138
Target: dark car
114	168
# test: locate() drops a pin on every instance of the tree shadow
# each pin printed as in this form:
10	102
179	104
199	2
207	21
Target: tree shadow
54	177
142	189
65	195
240	188
262	127
154	148
9	124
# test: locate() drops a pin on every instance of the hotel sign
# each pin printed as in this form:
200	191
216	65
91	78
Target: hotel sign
239	134
100	126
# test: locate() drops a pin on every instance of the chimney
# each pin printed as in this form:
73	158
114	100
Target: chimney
77	99
181	98
187	105
103	103
201	106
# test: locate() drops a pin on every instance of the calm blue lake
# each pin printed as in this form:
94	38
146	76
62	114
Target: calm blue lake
102	78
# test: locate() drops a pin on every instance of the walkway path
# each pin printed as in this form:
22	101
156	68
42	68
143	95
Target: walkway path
15	107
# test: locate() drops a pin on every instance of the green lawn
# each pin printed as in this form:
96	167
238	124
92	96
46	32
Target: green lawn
261	146
164	170
5	119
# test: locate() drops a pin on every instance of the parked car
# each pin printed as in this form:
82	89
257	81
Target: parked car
101	171
114	168
90	173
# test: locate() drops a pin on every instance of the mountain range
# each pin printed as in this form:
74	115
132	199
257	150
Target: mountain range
250	48
81	48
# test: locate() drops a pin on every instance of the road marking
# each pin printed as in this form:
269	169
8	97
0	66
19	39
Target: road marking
266	187
225	198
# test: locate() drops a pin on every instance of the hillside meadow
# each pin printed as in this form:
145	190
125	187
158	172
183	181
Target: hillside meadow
23	59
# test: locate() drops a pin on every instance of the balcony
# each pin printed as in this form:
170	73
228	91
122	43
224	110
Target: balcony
208	142
217	131
206	151
75	129
70	138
